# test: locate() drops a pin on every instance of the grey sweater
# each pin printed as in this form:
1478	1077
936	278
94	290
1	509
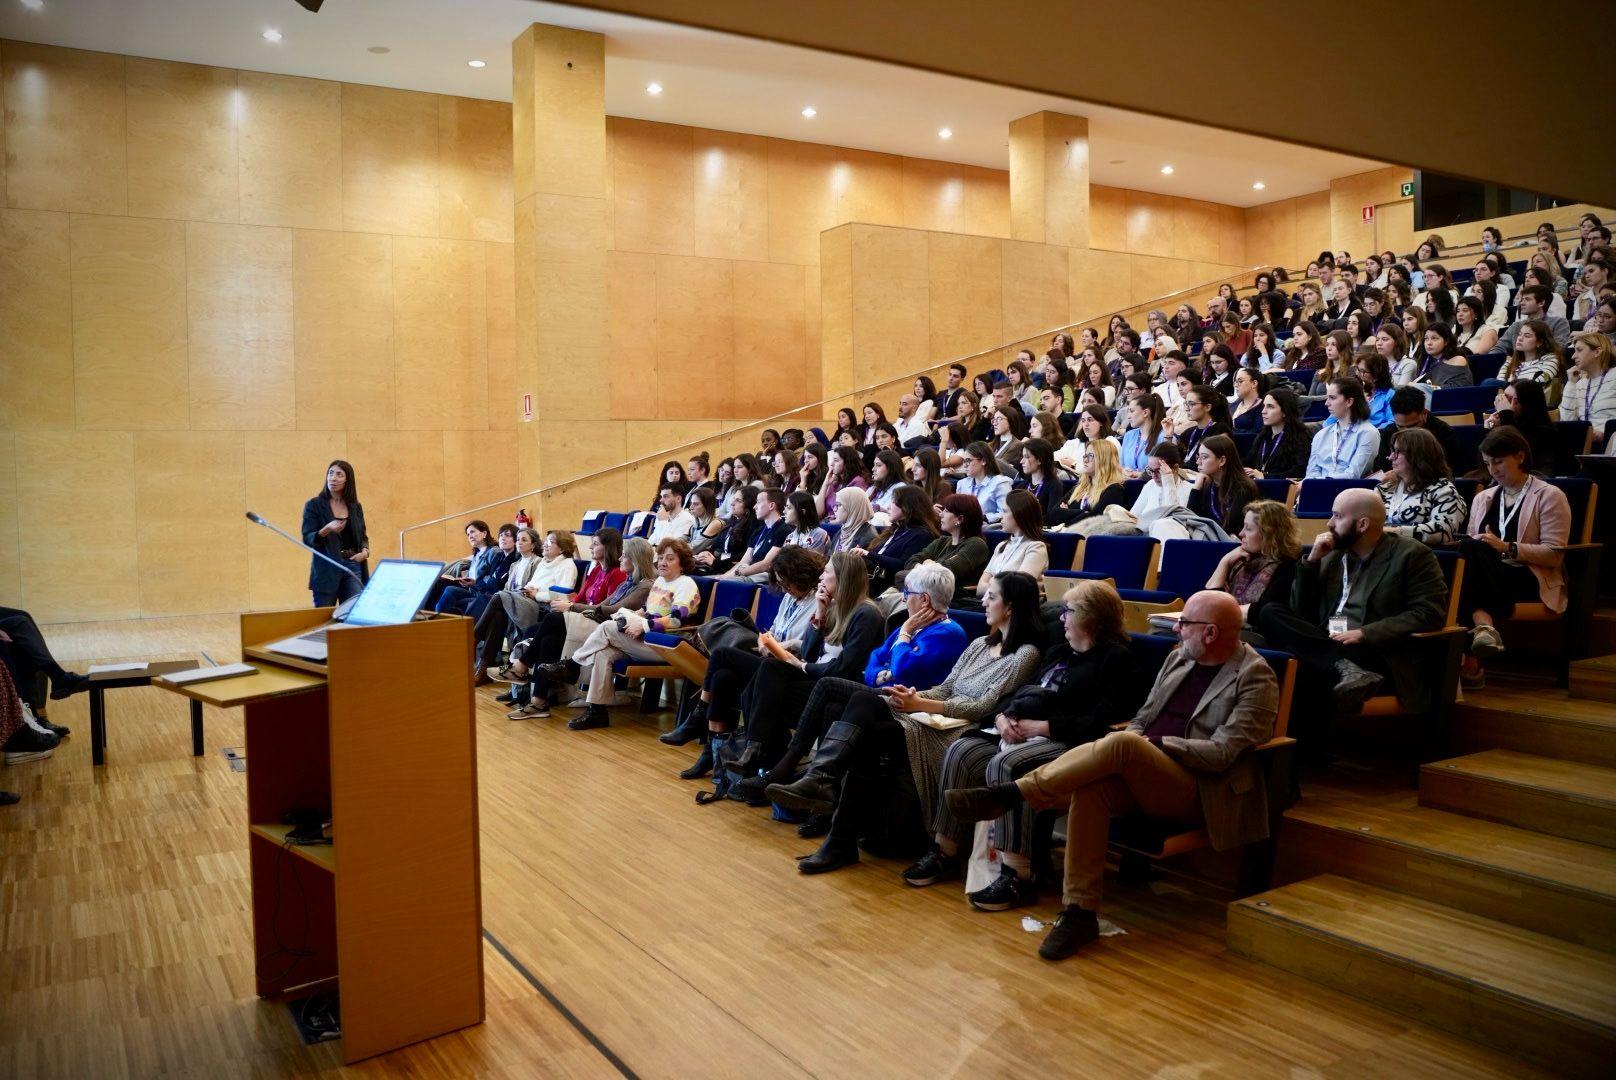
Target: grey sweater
980	679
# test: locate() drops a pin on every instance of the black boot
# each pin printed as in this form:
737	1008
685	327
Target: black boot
816	826
594	717
691	727
703	764
816	791
67	684
841	843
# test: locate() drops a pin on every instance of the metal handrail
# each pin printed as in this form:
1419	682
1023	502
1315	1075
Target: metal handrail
793	411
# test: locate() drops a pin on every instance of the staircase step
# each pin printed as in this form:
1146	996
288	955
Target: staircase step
1594	679
1562	798
1547	722
1527	994
1546	884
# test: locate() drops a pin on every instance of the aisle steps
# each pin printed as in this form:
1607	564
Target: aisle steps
1546	721
1550	795
1594	679
1525	993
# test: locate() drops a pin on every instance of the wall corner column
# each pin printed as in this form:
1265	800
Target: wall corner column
1049	179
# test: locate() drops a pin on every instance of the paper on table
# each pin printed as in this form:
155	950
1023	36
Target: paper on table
101	669
208	674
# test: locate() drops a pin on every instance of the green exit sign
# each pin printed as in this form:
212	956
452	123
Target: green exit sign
1408	190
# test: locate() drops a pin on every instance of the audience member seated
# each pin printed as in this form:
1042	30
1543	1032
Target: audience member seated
731	545
785	469
912	525
886	480
673	475
1421	500
1185	758
1443	364
1220	491
1536	357
470	598
851	515
480	539
705	524
1595	276
671	603
959	545
532	584
900	722
1245	412
1040	473
1146	416
1358	594
736	650
1023	551
1261	569
1375	375
1100	483
947	399
767	539
1337	362
1534	306
974	419
1092	424
845	469
749	473
1511	547
1471	330
1285	444
672	519
23	736
25	654
802	524
984	480
1345	447
1087	682
926	473
537	659
1410	409
913	425
1167	388
1521	405
1009	432
815	464
1206	412
1589	393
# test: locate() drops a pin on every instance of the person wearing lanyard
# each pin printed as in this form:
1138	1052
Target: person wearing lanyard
1347	444
1513	553
1357	596
1587	395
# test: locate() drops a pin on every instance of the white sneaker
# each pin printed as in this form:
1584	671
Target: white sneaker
1485	641
32	721
529	712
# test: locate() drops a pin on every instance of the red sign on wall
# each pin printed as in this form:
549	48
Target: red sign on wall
1368	214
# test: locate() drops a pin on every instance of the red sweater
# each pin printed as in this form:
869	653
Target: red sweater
598	584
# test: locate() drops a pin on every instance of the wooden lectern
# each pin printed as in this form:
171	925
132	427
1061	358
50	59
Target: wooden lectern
382	737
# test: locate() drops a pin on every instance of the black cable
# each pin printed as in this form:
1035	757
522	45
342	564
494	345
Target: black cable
302	953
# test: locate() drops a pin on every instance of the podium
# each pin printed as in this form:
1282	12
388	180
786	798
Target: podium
381	739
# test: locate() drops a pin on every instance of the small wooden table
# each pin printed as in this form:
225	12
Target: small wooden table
116	680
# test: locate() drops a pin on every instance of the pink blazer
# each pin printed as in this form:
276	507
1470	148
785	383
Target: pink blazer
1544	525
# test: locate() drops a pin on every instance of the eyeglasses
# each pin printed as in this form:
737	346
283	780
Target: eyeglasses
907	593
1194	622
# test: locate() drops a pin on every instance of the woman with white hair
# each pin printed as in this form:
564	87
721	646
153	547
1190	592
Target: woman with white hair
852	513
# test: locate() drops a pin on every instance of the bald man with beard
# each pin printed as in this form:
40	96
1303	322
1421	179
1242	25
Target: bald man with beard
1358	595
1183	758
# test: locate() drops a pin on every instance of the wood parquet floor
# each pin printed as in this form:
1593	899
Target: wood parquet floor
679	937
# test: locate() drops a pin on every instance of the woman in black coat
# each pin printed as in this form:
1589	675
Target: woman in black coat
334	523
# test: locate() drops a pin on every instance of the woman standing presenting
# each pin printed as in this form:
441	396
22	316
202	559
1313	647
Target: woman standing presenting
334	523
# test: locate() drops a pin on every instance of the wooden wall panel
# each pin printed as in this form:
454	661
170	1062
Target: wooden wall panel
1150	278
129	323
653	187
1312	227
631	330
65	131
869	187
282	470
770	363
802	200
1149	221
1108	218
389	161
891	303
1196	230
182	141
965	294
190	492
589	446
694	338
474	189
239	296
1232	236
342	295
659	437
291	151
1348	196
812	330
77	476
731	200
569	316
36	321
1271	232
1036	278
10	559
503	405
478	467
1100	282
400	476
836	310
440	323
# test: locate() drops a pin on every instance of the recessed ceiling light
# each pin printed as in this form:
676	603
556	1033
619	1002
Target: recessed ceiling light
477	63
654	89
945	133
1258	186
1167	170
809	112
272	34
33	5
379	50
1119	161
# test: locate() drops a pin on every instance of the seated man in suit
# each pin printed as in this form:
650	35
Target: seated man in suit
1181	759
1357	596
1410	409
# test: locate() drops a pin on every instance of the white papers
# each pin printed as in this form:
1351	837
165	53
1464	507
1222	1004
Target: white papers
208	674
103	669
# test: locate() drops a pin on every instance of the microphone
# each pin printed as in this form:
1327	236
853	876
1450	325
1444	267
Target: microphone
257	519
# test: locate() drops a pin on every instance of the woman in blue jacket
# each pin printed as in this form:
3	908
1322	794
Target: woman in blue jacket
487	579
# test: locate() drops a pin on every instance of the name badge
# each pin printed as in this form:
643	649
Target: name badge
1339	624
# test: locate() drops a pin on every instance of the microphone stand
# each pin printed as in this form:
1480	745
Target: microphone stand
349	570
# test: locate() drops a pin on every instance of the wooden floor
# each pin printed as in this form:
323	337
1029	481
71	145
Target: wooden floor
668	939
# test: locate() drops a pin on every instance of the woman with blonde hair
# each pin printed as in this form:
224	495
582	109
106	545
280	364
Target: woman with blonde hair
1101	482
1261	569
1590	392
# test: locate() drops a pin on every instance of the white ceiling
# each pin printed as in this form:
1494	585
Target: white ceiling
710	80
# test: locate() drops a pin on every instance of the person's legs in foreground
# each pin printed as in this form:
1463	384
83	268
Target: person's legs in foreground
1121	773
880	734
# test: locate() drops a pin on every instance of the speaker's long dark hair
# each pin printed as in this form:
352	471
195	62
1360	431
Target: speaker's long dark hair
349	493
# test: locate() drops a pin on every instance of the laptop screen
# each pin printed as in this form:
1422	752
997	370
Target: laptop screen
394	593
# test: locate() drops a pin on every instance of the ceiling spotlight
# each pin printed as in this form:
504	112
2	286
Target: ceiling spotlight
810	112
379	50
1167	170
1258	186
272	35
477	63
654	89
945	133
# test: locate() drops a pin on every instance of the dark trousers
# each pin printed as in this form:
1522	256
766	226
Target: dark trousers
1491	584
825	706
545	640
26	655
772	704
490	631
1316	656
346	588
729	670
880	738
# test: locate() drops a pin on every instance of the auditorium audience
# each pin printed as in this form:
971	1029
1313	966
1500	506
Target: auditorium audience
672	519
23	736
1534	307
1221	489
1184	758
1261	568
731	546
1245	412
1411	410
802	524
851	514
1023	550
487	577
1443	365
27	657
673	475
767	538
1283	447
1536	356
1521	405
886	480
1589	393
984	480
959	545
1373	373
926	473
912	525
533	583
1206	412
1421	501
1511	547
1470	330
1009	431
845	469
1040	475
1344	449
1101	483
1146	415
